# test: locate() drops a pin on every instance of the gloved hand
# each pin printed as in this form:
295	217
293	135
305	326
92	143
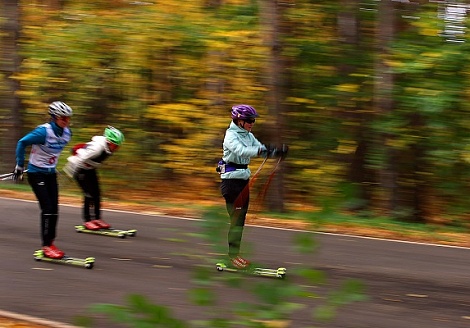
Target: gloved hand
283	151
18	173
262	151
273	151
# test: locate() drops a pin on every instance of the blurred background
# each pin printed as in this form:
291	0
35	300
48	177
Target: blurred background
372	97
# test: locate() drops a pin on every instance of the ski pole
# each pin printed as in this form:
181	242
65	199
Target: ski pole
264	190
9	176
63	177
241	197
255	175
6	176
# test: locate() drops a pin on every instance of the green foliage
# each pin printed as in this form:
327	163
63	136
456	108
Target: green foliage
305	243
350	291
202	297
275	300
139	313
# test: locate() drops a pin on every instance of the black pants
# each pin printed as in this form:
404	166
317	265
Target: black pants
89	182
46	189
237	199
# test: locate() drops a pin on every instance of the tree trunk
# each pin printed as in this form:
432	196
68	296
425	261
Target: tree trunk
215	83
54	4
10	105
352	111
383	102
271	20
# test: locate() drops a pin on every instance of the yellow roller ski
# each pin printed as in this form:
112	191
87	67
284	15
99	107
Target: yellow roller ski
279	273
107	232
87	263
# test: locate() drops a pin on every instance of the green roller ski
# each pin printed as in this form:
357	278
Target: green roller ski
279	273
107	232
87	263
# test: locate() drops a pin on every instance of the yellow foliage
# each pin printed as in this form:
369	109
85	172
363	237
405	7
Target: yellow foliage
174	113
346	147
238	2
397	143
26	93
298	100
348	87
423	91
465	156
428	31
432	54
394	63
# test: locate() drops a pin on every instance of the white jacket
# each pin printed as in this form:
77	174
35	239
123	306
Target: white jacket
89	157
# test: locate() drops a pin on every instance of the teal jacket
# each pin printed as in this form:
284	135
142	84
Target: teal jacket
239	147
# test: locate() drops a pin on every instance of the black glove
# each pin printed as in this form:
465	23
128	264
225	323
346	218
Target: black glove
272	151
283	151
277	151
18	173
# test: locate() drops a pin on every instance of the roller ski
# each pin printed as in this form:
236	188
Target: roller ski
99	227
236	266
87	263
111	232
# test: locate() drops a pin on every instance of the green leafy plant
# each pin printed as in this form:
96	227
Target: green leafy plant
275	301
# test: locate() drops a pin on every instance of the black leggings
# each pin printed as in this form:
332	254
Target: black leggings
237	199
46	189
89	182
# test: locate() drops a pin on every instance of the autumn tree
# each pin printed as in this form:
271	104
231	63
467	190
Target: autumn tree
384	104
272	25
10	105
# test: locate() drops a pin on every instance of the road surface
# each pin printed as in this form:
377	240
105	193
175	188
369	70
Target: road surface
408	285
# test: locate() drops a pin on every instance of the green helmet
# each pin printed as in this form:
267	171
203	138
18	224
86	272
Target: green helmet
113	135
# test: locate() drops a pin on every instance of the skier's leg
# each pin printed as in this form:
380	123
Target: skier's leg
87	204
38	184
235	233
46	190
237	200
82	179
53	192
85	181
95	193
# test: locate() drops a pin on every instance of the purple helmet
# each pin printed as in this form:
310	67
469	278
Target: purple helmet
243	112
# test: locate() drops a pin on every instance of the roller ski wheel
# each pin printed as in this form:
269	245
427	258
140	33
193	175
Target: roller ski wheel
275	273
87	263
279	273
132	233
107	232
220	266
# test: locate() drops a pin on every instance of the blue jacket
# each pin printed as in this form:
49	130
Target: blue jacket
37	137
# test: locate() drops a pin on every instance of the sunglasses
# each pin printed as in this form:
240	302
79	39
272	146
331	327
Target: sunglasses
250	120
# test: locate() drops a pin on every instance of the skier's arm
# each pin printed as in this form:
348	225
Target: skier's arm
83	158
262	148
232	143
37	136
88	156
88	153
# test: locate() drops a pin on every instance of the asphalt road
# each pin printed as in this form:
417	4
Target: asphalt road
408	285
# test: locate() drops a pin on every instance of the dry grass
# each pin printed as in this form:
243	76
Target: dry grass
13	323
